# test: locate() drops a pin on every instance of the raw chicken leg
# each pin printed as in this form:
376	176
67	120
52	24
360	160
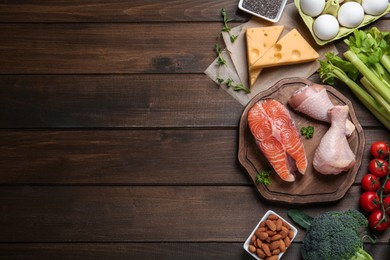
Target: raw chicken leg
314	102
333	155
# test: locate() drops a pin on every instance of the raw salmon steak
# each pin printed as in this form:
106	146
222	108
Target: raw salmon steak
278	138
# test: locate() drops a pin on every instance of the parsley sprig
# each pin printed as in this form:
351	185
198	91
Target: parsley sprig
307	131
263	177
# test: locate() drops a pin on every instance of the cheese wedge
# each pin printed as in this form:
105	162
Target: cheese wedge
258	42
290	49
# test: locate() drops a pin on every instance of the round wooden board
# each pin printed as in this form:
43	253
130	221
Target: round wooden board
312	187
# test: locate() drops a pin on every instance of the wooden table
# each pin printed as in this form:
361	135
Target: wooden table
114	144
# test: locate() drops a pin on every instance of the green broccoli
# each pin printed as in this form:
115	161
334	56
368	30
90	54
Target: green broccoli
333	235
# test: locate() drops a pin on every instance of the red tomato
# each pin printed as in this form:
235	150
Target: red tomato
386	205
369	201
386	187
378	167
370	182
380	150
377	222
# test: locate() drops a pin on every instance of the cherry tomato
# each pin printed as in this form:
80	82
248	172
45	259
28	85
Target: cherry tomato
370	182
380	150
378	167
377	222
386	187
386	205
369	201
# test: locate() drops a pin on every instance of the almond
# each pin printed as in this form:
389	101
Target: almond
287	241
274	257
266	249
263	235
279	224
276	237
282	246
260	253
273	217
270	224
252	248
274	245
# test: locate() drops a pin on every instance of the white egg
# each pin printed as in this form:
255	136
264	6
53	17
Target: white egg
375	7
350	14
326	27
312	8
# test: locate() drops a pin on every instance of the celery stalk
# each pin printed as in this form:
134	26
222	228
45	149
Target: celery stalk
385	61
328	72
367	84
379	85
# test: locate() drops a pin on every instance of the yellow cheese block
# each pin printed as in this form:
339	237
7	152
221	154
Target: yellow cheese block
290	49
258	42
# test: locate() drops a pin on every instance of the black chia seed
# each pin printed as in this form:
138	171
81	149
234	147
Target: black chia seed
267	8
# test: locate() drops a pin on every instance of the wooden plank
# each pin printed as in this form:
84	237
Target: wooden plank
141	213
52	101
174	251
107	48
130	157
37	101
120	157
118	11
110	48
43	11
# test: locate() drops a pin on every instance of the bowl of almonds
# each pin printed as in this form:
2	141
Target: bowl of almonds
270	238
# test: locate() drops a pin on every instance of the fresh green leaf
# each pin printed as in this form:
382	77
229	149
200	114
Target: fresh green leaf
344	65
301	218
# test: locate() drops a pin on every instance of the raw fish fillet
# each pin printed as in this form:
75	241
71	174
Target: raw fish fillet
314	101
333	155
277	137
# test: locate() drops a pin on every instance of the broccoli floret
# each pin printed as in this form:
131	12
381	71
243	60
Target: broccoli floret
336	235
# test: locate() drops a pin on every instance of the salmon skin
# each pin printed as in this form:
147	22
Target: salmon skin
277	137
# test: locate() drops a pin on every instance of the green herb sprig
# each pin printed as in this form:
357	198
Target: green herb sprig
235	86
263	177
307	132
226	27
221	61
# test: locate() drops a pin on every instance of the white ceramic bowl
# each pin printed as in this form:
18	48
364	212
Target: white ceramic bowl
248	240
274	20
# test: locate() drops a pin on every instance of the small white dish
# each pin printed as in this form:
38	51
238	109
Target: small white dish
248	240
274	20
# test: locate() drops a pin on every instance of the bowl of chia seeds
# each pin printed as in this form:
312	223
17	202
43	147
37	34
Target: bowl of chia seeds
270	10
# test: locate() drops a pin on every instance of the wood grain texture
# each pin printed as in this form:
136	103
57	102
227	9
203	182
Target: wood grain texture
115	145
141	251
107	48
130	157
42	101
66	101
118	11
141	214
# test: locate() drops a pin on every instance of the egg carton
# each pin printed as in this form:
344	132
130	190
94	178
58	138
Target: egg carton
343	31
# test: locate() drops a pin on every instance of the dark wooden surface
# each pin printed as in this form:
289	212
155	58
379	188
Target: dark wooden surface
114	144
